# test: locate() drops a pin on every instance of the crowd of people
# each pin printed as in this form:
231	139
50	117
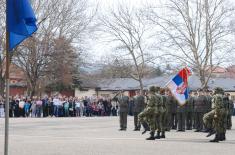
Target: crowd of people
204	111
59	106
157	110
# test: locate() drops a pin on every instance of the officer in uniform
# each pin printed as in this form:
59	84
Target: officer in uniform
181	112
174	105
123	111
162	114
138	107
209	101
169	100
200	109
149	113
230	113
189	111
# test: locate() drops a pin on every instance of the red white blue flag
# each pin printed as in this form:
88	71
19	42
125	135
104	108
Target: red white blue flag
179	85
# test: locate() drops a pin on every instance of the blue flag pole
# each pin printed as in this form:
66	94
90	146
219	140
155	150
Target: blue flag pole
7	96
6	141
20	24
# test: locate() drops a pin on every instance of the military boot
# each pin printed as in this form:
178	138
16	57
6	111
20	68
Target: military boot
151	136
158	135
163	134
211	132
146	127
222	137
216	139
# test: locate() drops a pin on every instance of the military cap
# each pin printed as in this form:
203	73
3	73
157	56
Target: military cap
157	89
152	89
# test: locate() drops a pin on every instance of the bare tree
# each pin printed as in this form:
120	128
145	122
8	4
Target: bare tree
194	32
113	67
64	66
56	19
127	30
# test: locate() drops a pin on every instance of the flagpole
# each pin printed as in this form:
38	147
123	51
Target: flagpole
7	96
7	91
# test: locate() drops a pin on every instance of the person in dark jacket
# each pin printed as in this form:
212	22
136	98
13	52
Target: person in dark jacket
45	107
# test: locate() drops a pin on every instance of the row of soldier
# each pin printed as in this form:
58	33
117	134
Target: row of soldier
159	111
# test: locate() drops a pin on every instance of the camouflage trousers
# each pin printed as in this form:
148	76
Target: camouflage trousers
216	119
149	116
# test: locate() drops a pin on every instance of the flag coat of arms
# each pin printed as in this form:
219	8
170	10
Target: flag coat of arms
179	85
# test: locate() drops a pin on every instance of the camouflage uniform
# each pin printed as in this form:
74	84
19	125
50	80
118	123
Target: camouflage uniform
149	114
215	118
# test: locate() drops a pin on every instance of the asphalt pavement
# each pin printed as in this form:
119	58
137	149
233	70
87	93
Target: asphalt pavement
100	136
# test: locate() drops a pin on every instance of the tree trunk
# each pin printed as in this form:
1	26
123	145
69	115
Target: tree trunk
32	88
202	79
141	87
2	86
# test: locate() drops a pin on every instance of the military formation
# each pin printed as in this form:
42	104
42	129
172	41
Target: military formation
158	111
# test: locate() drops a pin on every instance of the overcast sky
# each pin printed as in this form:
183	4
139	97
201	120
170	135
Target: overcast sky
100	48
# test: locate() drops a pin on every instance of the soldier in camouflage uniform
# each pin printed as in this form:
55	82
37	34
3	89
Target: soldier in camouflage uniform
215	119
139	105
123	111
149	113
189	111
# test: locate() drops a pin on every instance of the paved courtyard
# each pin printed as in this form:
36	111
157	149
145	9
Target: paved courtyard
100	136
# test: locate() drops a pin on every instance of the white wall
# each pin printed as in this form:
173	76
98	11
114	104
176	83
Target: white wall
232	95
89	93
92	92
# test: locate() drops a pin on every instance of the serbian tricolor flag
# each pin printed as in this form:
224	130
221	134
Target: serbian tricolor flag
179	85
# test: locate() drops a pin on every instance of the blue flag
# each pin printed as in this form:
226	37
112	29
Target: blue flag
21	21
